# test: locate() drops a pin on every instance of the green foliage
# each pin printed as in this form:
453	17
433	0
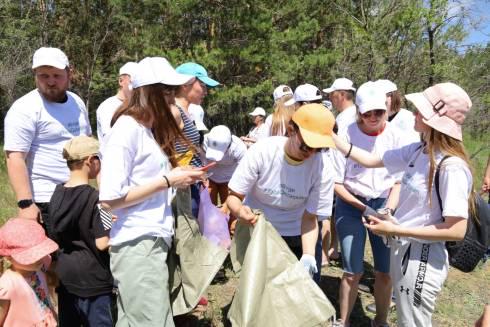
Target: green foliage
250	47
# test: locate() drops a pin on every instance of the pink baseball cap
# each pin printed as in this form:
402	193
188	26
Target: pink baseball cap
25	241
443	107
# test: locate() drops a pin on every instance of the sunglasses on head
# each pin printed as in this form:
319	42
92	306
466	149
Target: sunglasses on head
377	113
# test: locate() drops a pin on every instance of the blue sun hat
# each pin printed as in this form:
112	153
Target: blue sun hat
191	68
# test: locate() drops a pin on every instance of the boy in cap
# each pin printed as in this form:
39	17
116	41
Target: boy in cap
24	296
36	127
85	291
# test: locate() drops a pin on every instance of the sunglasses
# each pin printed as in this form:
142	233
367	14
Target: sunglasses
377	113
305	148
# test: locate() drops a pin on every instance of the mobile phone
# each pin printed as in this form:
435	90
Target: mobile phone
209	165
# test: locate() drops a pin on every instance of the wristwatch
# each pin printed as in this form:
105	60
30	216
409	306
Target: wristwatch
25	203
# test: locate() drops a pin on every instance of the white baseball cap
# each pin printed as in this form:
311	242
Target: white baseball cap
216	142
341	84
128	68
259	111
305	92
386	85
53	57
370	97
197	114
154	70
281	91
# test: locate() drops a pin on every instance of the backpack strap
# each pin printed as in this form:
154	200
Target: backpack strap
436	181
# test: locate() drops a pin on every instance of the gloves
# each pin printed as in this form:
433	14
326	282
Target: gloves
369	212
309	263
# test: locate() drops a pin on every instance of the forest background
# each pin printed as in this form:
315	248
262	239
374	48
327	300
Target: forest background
250	47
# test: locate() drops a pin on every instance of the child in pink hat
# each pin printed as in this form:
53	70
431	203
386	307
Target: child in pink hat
24	297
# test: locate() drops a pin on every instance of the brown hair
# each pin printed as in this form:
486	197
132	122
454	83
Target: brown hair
448	146
396	101
281	116
148	105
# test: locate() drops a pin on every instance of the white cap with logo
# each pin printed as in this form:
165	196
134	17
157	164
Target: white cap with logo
128	68
305	93
197	114
281	91
154	70
53	57
216	142
341	84
386	85
259	111
370	97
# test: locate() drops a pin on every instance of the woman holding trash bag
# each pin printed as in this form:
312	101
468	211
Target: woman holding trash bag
135	181
287	178
360	190
419	260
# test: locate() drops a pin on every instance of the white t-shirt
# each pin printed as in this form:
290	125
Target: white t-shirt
260	132
132	157
370	183
41	128
105	111
405	122
222	172
455	183
346	117
283	191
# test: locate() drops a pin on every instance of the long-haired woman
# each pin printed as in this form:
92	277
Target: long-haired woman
281	114
419	260
360	190
136	180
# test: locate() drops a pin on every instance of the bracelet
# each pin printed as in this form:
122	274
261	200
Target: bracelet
348	152
166	180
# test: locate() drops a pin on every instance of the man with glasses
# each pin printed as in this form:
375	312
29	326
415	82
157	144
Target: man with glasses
286	177
36	128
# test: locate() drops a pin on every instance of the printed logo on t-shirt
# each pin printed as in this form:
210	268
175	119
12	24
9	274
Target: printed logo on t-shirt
407	184
74	128
285	191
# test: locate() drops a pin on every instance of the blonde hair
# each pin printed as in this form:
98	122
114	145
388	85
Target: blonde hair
281	116
447	146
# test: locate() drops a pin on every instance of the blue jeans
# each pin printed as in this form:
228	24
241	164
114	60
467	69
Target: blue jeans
352	236
78	311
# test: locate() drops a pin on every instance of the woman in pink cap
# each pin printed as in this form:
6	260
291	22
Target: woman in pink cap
24	296
418	230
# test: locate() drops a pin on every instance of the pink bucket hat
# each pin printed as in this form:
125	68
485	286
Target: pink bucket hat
443	107
25	241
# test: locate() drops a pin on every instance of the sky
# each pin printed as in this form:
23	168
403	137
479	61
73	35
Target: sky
480	11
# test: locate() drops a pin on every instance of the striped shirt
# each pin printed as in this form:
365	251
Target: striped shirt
192	134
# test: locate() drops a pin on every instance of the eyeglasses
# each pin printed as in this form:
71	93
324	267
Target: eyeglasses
305	148
378	113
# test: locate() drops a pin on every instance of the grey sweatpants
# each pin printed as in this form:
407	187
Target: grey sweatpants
140	270
418	271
